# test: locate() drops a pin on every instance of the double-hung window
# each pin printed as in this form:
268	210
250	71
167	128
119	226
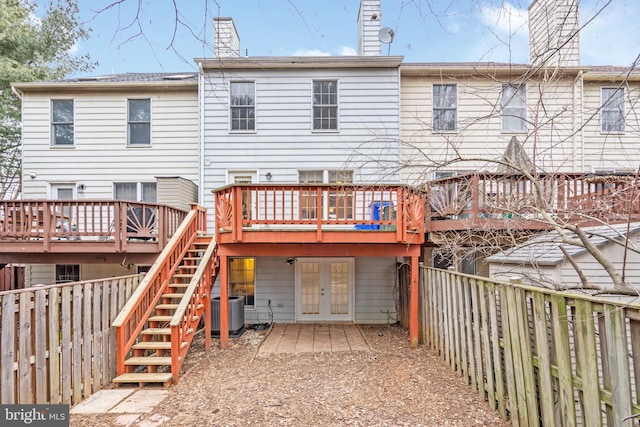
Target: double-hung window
66	273
514	108
139	122
62	122
135	191
243	106
612	110
309	205
341	201
325	105
445	105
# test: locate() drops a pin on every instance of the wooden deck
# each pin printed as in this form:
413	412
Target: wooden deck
492	201
57	231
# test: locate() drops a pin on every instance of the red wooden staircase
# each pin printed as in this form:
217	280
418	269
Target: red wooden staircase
157	325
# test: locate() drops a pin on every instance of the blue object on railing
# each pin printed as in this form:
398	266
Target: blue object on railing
375	209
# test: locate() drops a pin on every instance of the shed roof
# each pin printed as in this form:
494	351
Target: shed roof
544	249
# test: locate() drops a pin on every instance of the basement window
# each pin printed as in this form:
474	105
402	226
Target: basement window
242	279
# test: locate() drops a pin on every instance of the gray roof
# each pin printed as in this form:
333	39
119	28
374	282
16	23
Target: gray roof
543	249
136	77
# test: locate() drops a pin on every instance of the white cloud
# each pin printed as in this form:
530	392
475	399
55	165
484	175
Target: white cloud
341	51
506	19
610	38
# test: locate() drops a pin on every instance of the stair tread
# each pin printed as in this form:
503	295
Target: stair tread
144	377
155	345
160	318
167	306
178	285
172	295
148	361
156	331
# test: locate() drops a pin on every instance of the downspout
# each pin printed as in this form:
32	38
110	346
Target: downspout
201	133
399	154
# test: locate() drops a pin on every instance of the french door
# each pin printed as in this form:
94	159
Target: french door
324	289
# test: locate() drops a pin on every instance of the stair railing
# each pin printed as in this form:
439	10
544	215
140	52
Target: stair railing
135	314
195	302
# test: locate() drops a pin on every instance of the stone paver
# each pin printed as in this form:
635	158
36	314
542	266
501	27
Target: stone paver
101	401
142	401
303	338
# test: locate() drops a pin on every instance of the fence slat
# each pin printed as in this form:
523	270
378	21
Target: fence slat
76	332
8	356
496	353
618	364
545	386
55	393
485	330
560	327
25	386
66	359
509	355
477	338
40	347
96	333
106	336
526	359
588	362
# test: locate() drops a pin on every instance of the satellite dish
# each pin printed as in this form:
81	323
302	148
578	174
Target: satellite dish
385	35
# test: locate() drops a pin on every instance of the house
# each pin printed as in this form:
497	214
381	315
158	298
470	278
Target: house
459	122
127	137
542	262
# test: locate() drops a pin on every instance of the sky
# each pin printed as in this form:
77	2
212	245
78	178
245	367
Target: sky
142	35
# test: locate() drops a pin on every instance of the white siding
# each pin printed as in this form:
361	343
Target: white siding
100	155
376	280
479	136
607	150
367	140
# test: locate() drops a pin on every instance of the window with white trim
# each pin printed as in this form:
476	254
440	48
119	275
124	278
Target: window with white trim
445	107
514	108
325	105
243	106
135	191
139	122
62	122
612	110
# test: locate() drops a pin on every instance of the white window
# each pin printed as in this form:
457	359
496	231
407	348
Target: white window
325	105
612	110
62	122
445	107
139	122
514	108
243	106
340	204
135	191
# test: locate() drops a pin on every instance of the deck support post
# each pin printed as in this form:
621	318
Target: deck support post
413	303
224	302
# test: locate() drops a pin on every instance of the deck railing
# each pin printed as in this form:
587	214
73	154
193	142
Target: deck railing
116	221
478	199
133	317
318	207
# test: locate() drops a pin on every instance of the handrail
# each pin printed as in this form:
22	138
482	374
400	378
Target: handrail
186	316
131	320
84	221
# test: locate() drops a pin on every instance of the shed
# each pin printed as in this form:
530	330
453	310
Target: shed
541	262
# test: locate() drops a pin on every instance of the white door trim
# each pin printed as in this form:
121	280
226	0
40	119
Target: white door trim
325	304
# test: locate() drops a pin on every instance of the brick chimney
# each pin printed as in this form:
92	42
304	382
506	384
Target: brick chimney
554	33
226	42
368	28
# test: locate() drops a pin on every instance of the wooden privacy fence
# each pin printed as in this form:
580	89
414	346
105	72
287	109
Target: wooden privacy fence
539	357
57	345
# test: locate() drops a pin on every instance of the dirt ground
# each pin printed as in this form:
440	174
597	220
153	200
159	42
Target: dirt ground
391	385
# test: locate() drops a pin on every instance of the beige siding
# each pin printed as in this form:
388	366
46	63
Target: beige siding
554	33
46	273
100	155
550	138
606	150
177	192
